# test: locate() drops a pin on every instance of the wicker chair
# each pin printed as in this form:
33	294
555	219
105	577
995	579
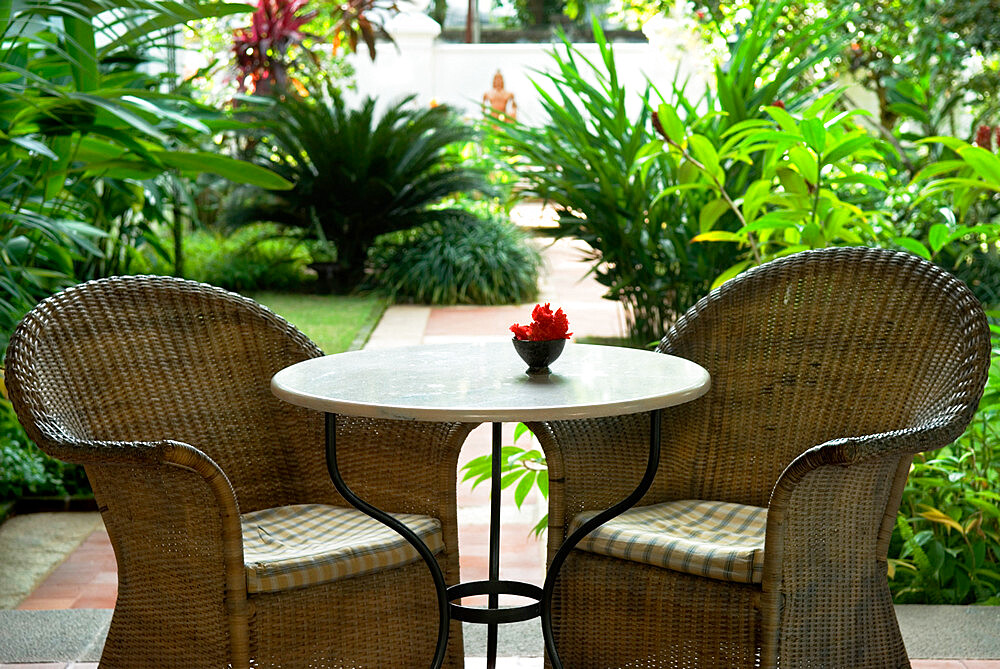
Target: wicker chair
160	387
830	369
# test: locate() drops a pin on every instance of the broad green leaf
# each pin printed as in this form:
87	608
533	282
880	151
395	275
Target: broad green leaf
711	212
754	198
784	119
34	145
705	153
986	164
237	171
952	143
174	13
859	178
911	110
730	273
792	181
913	246
814	134
519	430
938	236
719	236
846	147
671	123
777	220
523	488
82	50
805	162
163	112
542	482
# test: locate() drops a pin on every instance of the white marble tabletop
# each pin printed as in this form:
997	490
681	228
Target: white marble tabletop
486	382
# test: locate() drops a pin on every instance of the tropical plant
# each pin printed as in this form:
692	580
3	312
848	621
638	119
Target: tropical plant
801	197
253	258
358	174
636	206
262	49
525	467
479	261
946	549
89	146
26	470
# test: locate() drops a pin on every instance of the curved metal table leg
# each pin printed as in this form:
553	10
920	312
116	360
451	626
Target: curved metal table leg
403	530
560	557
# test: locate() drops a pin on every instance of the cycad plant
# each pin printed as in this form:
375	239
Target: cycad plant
359	173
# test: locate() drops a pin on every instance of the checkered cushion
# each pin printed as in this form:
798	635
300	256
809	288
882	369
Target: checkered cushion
714	539
308	544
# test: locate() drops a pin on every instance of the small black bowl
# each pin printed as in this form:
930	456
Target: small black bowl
539	354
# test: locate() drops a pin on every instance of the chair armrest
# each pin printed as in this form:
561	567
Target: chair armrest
830	518
174	522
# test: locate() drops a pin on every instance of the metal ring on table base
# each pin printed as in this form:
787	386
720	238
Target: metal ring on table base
570	543
444	610
513	614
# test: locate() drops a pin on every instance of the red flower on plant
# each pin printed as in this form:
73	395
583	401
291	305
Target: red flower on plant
778	103
984	137
545	325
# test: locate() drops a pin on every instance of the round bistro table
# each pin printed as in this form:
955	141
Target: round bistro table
477	383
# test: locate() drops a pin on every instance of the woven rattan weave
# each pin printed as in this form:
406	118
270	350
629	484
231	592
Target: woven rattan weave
830	369
160	387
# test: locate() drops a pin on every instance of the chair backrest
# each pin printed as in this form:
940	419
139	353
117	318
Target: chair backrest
820	345
144	358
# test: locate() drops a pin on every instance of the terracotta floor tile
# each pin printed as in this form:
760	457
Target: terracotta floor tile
33	603
937	664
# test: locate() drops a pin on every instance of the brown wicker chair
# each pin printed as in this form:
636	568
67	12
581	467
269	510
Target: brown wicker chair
830	369
160	387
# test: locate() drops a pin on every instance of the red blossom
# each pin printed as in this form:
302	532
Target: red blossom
545	325
778	103
984	137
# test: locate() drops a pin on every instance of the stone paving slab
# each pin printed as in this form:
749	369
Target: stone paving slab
30	550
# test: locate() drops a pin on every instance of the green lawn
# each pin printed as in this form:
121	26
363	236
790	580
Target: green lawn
334	322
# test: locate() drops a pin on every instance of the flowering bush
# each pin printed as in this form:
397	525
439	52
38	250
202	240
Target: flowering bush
261	49
545	325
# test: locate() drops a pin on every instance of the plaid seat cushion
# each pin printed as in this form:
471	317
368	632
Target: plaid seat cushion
308	544
714	539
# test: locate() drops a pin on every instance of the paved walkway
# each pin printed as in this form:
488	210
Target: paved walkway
87	578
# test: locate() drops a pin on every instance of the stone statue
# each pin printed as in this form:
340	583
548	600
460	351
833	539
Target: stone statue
499	100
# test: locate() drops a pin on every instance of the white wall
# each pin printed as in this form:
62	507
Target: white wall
459	74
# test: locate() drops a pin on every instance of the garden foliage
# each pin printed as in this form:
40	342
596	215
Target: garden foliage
91	149
359	173
457	261
946	549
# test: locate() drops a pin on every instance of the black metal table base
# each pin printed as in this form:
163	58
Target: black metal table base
493	615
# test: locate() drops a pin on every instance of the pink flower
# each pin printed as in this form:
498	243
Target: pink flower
545	325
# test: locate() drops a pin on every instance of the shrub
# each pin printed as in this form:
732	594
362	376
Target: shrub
486	261
946	549
359	173
253	258
25	469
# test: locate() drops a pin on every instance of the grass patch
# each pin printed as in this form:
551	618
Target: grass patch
337	323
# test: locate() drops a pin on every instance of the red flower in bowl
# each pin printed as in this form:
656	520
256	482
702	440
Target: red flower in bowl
545	325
